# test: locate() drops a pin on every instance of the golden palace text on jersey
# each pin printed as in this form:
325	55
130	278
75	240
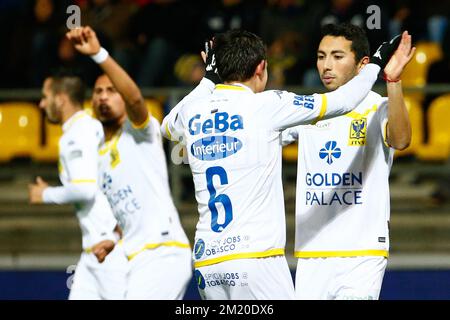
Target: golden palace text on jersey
342	203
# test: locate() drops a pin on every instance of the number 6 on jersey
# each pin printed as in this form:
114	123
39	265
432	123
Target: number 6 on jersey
222	198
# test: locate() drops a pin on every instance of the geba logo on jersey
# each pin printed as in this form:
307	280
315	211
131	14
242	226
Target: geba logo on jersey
330	152
219	124
215	146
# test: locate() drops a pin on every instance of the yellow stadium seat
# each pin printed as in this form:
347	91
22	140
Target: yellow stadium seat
415	73
50	151
290	152
20	130
156	109
438	146
416	118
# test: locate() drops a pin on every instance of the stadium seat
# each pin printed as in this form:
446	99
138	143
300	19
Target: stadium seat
438	146
20	130
415	73
155	108
290	152
416	117
50	151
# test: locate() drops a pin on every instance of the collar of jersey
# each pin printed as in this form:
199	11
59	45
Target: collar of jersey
233	87
111	143
76	116
356	115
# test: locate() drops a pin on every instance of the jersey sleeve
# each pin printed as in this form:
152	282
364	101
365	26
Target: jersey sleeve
79	157
348	96
287	109
143	132
172	127
289	136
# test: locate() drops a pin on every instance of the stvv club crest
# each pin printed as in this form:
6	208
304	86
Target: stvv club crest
358	129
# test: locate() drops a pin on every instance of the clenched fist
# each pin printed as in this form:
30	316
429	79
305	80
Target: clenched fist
84	40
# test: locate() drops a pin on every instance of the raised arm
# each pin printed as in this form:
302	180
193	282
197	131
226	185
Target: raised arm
86	42
297	109
398	126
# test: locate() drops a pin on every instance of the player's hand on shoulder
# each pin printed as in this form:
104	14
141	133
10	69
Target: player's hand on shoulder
84	40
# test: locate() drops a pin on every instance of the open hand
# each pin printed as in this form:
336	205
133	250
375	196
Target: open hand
400	58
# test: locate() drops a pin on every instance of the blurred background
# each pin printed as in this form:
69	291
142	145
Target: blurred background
158	43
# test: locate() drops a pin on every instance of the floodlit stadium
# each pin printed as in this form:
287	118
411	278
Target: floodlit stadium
40	244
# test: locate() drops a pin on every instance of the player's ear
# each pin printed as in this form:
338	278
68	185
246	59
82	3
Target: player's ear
260	68
61	99
362	63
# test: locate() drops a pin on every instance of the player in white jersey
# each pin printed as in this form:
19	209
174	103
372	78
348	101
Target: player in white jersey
342	202
135	180
233	141
62	100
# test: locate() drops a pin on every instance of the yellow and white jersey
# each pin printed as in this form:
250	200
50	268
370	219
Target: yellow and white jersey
134	178
233	141
78	172
342	201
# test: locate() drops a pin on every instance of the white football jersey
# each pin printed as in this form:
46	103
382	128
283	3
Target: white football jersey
78	169
135	180
342	201
233	141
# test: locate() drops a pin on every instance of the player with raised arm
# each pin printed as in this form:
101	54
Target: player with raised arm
62	99
342	202
134	177
233	140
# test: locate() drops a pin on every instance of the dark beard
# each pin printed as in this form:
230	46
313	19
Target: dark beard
110	123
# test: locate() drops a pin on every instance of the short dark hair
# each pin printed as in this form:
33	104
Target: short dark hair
70	84
238	53
360	43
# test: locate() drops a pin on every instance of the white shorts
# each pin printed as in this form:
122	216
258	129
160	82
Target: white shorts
163	273
355	278
100	281
246	279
